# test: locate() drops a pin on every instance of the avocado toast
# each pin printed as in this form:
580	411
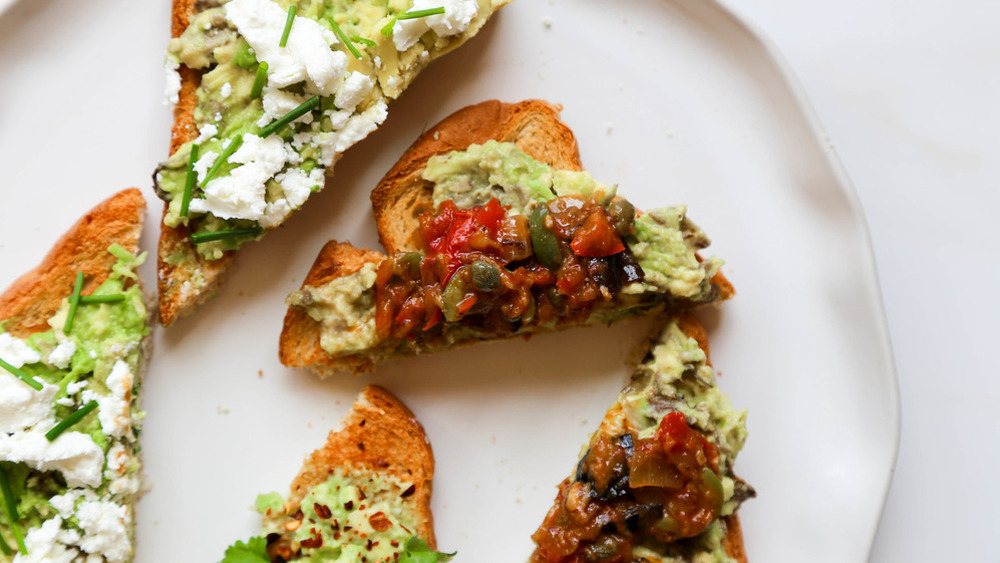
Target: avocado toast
71	343
269	94
655	483
364	496
492	230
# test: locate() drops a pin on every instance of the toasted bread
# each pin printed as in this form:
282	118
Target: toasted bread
186	277
403	195
381	440
669	381
55	355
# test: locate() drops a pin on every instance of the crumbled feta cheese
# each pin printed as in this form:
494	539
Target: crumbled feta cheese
43	545
275	213
205	162
298	185
16	352
172	88
455	19
226	90
74	387
307	55
278	102
73	454
113	409
357	127
206	132
118	465
105	528
21	406
240	195
355	88
62	354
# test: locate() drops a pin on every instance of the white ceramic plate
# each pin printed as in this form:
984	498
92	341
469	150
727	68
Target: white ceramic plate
675	101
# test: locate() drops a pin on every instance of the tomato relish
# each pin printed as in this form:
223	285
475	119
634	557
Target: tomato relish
630	490
497	272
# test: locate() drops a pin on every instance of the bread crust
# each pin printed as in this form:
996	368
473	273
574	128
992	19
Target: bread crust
35	297
381	435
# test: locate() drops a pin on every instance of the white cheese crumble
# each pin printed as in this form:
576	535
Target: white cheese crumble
21	406
307	55
240	195
206	132
278	102
47	544
73	454
455	19
105	527
205	162
226	90
172	88
357	127
355	88
113	410
62	354
16	352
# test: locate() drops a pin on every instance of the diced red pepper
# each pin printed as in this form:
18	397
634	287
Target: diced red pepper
597	238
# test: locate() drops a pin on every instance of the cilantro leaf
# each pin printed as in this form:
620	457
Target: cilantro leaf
254	551
418	552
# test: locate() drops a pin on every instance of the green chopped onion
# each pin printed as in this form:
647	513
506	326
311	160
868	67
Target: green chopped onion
192	177
289	117
387	28
70	420
11	509
112	298
259	80
21	375
74	301
234	144
421	13
199	238
343	38
288	26
364	41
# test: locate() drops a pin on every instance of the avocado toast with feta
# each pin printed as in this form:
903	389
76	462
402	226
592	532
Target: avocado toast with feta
269	94
72	335
655	484
364	496
493	230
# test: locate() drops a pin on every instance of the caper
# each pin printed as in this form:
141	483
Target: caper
545	245
485	276
621	213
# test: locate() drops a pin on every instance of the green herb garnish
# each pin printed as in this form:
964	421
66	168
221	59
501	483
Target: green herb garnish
244	56
421	13
199	238
259	80
192	176
74	301
112	298
387	28
364	41
288	26
253	551
10	507
289	117
343	38
21	375
4	548
70	420
234	144
417	551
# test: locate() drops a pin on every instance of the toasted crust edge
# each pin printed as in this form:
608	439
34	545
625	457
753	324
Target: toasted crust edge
382	435
34	297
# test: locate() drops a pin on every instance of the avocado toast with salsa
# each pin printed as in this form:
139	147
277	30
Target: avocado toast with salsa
268	95
72	335
493	230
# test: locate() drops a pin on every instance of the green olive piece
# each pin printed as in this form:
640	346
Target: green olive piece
409	263
485	276
714	484
545	245
454	293
622	216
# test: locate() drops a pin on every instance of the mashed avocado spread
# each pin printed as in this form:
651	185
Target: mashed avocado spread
72	494
663	241
273	115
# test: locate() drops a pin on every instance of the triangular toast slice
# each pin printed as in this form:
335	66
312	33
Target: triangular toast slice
655	483
72	336
367	490
234	79
341	318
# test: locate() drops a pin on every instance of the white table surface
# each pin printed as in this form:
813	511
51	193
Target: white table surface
908	92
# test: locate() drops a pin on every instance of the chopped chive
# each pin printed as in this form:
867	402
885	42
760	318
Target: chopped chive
70	420
288	26
421	13
234	144
259	80
192	177
112	298
343	38
387	28
21	375
364	41
4	548
74	300
199	238
11	509
289	117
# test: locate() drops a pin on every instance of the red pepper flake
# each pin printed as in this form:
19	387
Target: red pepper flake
409	491
380	522
349	505
322	511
